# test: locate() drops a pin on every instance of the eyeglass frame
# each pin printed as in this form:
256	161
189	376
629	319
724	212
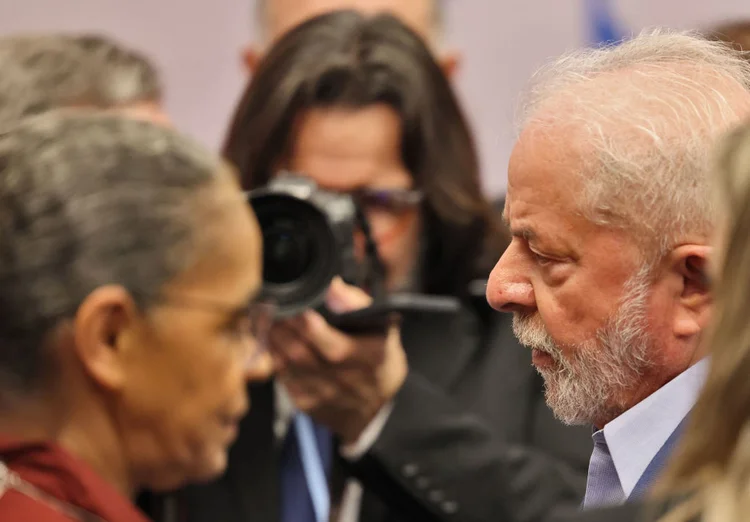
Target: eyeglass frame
256	308
392	200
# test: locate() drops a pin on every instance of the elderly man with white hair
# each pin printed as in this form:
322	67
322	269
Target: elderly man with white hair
608	203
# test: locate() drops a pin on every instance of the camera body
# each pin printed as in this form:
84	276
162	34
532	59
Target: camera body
308	239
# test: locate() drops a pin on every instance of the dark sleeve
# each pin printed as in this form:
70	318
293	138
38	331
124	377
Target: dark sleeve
435	461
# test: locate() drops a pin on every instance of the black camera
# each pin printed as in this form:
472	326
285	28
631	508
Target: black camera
308	239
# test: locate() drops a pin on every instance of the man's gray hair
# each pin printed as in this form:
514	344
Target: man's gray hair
126	76
48	71
644	115
88	200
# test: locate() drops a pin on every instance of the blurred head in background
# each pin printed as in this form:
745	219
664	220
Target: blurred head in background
49	71
130	82
129	267
608	205
381	119
425	17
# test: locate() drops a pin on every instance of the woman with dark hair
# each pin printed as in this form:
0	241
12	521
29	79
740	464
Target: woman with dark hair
425	419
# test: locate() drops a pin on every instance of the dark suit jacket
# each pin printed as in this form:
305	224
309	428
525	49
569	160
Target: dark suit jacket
470	437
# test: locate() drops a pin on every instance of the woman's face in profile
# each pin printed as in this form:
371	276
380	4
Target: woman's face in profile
348	150
190	358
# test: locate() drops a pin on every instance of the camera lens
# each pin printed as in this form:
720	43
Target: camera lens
287	253
300	246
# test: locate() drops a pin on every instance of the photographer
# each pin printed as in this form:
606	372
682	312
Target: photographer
429	421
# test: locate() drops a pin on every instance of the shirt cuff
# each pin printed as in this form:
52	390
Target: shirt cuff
369	436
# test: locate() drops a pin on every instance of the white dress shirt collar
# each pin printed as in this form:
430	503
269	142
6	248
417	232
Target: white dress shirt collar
635	437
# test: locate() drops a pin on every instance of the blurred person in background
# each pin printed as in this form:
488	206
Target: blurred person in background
129	263
273	18
430	422
609	207
708	477
426	17
54	70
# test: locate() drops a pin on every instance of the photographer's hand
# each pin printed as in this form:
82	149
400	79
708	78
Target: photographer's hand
340	380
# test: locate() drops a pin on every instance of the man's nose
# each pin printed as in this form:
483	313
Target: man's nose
509	288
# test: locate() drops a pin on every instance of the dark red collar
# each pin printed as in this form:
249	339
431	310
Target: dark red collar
62	475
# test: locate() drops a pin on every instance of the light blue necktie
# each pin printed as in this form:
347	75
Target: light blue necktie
603	486
306	459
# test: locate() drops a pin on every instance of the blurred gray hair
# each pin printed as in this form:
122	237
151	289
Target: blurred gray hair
48	71
126	76
88	200
645	115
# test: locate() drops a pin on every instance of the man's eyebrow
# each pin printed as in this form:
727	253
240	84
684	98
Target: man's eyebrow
526	233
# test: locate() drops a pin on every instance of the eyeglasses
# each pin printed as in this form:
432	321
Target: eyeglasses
391	200
253	325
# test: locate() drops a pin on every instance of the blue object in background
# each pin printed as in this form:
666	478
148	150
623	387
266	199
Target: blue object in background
602	23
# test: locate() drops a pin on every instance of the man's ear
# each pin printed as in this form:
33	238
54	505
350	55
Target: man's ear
689	263
101	322
250	59
450	63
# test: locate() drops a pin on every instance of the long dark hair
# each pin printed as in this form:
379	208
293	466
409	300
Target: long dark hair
344	59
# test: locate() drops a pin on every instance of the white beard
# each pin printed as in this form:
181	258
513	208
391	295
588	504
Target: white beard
590	382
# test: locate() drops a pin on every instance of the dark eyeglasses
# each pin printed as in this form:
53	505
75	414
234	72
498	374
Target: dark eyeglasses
253	325
392	200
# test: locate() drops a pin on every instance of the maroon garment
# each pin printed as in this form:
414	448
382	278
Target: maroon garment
56	472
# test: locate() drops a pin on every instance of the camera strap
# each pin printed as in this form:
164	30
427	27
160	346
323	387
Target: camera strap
374	267
12	481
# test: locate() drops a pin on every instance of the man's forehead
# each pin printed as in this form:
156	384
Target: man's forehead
544	183
547	158
285	14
